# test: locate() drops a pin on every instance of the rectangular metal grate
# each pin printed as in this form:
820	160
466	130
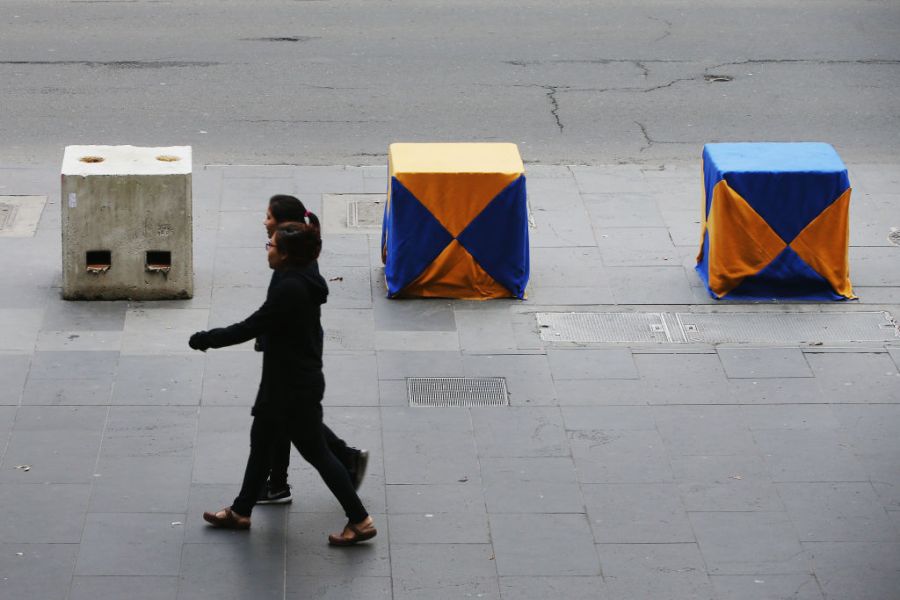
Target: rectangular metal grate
717	328
788	327
457	391
587	328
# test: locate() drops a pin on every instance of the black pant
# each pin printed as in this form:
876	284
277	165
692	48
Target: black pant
302	424
280	457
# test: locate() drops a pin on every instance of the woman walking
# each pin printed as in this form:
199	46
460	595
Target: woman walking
289	401
287	209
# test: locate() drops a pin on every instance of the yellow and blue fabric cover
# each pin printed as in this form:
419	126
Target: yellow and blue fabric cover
775	222
456	222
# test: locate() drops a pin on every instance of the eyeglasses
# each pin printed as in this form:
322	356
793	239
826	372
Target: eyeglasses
270	244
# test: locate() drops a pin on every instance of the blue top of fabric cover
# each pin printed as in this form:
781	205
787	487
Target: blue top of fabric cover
787	184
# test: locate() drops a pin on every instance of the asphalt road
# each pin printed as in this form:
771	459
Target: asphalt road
334	82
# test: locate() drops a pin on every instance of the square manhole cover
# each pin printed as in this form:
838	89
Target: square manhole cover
352	213
20	215
457	391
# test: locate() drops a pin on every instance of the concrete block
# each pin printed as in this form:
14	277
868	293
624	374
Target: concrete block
126	223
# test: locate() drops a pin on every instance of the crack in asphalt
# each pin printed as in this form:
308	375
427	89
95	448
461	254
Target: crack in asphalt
115	64
648	142
554	104
668	30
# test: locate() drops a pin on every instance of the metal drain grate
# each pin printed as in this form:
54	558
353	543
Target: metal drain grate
589	328
717	328
457	391
788	327
369	213
352	213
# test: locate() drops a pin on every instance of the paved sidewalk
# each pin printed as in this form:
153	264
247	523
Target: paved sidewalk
652	471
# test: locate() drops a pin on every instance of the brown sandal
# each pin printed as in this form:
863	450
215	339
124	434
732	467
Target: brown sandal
359	535
230	520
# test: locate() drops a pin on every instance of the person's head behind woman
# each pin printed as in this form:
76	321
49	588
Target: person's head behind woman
295	244
282	209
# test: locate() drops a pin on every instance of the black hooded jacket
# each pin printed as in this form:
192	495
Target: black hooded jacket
290	325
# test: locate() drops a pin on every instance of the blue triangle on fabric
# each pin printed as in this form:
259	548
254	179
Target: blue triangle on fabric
412	238
498	238
787	277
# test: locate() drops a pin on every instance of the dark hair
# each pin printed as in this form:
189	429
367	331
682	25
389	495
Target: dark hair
301	243
286	208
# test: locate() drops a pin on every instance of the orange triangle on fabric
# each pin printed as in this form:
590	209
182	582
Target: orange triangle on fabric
741	243
455	198
455	274
824	245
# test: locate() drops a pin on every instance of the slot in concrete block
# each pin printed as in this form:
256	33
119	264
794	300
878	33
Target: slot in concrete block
126	223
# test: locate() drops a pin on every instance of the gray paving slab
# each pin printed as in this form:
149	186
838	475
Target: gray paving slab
437	498
250	193
139	587
400	365
617	456
443	571
704	430
558	227
159	380
519	432
837	512
592	363
53	456
864	570
71	392
533	485
623	210
536	588
768	543
360	389
765	391
757	363
412	314
339	588
565	549
231	571
84	316
37	570
637	513
73	365
348	329
130	544
801	586
809	455
141	484
149	431
484	330
231	378
439	528
725	483
856	377
654	285
38	513
655	571
592	392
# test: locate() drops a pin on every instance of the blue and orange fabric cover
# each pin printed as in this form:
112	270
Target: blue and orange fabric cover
456	222
775	222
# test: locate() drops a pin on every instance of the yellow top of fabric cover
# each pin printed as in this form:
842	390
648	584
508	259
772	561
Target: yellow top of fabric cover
455	158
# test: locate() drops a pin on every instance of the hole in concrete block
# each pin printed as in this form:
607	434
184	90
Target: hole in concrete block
167	158
91	159
159	261
98	261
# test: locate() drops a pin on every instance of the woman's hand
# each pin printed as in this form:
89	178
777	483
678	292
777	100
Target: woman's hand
199	341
